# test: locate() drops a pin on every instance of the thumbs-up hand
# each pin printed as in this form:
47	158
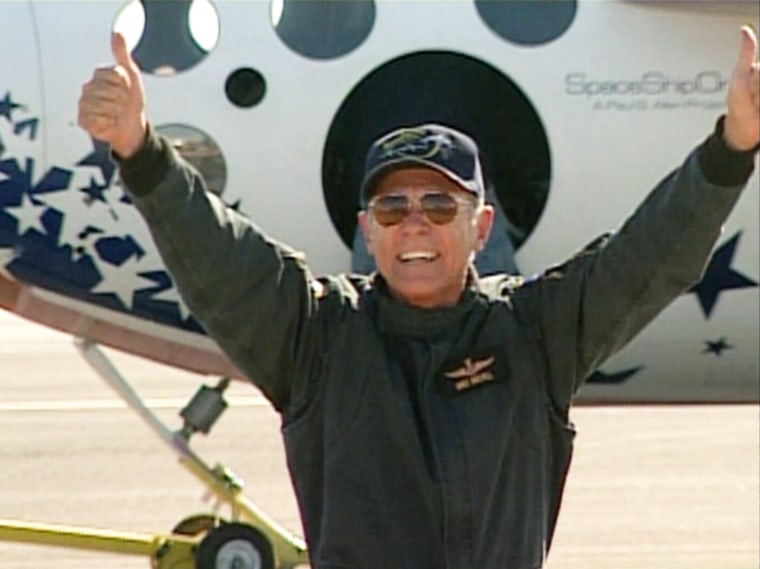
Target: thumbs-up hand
742	126
112	103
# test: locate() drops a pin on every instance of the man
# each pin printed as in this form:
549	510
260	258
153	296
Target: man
424	410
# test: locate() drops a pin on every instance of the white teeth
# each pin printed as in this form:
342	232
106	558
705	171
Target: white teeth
417	256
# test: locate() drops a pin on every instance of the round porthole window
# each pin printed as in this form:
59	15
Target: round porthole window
168	37
201	151
323	29
245	87
528	23
451	89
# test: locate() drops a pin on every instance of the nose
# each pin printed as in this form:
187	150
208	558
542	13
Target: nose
416	220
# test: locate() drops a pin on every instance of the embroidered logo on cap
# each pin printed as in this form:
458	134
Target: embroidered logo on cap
417	142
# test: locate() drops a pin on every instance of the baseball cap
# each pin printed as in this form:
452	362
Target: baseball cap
449	151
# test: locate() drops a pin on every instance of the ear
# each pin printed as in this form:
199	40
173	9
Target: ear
484	222
364	225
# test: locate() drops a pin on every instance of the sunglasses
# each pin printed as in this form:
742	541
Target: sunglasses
438	207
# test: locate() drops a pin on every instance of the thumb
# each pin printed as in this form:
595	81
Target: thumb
748	48
122	56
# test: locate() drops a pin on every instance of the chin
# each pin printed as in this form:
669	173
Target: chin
424	296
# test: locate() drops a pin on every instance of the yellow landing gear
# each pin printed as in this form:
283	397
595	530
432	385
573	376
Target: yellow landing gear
249	540
165	551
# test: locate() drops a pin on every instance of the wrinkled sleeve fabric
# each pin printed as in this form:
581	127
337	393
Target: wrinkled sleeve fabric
591	306
252	294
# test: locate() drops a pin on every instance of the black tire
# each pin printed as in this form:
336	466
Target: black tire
234	546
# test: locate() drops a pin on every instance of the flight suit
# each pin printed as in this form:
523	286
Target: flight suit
428	438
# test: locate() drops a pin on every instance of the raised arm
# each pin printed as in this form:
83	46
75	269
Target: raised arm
253	295
594	304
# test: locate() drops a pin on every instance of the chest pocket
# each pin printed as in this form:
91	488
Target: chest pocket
496	390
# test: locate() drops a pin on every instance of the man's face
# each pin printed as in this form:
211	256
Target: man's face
424	263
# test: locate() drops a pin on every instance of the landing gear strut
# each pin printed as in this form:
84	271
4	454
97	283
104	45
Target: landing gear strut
252	540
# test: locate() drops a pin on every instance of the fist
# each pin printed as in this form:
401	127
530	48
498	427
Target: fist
742	126
112	103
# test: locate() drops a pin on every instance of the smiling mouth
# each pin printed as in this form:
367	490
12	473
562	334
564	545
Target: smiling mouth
418	257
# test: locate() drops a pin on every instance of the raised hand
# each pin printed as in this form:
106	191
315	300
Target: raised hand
112	103
742	126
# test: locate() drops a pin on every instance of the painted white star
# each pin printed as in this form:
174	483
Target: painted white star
171	295
116	218
28	215
76	215
6	257
19	146
122	281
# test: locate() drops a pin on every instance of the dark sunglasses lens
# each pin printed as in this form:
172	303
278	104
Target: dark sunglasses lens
440	208
390	210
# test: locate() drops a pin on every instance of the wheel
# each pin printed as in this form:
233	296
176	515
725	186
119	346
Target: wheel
234	546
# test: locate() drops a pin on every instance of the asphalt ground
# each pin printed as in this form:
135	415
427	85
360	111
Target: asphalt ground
651	487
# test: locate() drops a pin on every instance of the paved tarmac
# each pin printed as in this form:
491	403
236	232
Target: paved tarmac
663	487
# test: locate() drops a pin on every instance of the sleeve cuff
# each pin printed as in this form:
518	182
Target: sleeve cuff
721	165
144	170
